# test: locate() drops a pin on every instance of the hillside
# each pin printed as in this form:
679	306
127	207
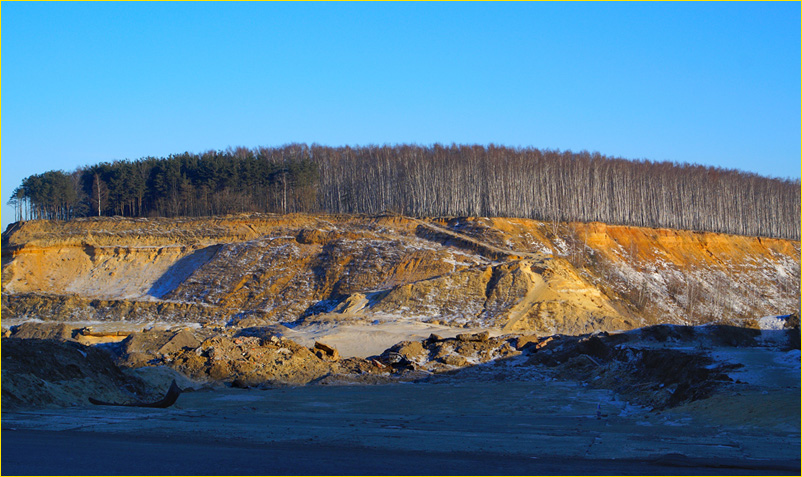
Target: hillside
505	274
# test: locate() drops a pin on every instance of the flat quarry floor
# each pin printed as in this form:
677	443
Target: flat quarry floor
477	424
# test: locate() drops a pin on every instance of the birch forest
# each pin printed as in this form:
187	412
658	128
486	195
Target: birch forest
438	180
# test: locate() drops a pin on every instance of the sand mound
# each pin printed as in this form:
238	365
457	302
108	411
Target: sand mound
51	373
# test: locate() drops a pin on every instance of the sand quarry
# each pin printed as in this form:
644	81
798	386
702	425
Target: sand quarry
332	345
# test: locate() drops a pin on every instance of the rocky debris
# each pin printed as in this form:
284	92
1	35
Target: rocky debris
258	357
631	364
273	331
544	343
480	337
791	321
454	360
667	333
436	354
250	359
415	350
661	366
710	335
240	383
152	345
255	356
396	361
351	371
684	376
727	335
47	373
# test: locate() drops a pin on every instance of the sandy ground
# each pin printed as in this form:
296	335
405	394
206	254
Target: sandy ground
362	338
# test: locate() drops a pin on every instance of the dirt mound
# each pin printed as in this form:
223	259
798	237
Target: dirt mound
436	354
260	357
714	335
141	348
255	356
42	331
48	373
659	377
250	361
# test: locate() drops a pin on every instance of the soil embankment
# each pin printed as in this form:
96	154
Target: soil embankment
513	274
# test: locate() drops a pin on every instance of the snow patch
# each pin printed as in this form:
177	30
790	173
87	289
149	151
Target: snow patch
771	323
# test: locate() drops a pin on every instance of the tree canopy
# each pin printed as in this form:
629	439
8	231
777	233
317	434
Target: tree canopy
438	180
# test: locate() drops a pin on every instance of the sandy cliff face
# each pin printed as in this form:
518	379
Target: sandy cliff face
512	274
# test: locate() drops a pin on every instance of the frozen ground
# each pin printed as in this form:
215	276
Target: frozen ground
498	418
501	427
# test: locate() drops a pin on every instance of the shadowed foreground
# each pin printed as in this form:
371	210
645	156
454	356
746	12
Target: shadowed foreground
470	427
77	453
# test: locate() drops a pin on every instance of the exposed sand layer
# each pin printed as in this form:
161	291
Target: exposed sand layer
513	274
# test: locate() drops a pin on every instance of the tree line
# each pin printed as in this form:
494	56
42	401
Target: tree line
438	180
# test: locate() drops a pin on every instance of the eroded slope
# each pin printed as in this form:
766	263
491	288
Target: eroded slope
510	274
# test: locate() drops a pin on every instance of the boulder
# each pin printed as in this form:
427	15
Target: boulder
526	341
455	360
412	350
481	337
326	352
431	340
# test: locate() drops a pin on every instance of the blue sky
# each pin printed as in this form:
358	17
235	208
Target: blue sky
708	83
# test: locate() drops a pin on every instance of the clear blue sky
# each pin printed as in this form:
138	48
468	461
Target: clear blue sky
715	84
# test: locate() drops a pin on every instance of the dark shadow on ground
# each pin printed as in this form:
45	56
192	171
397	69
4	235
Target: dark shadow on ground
87	453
